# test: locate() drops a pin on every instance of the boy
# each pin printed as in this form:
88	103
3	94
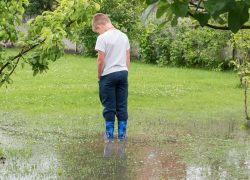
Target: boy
112	63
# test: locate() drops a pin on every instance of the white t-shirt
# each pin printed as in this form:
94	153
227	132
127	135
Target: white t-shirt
114	44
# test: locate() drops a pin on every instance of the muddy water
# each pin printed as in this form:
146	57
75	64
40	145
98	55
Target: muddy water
139	158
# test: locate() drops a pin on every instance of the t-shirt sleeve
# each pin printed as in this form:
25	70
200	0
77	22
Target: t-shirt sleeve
127	44
100	44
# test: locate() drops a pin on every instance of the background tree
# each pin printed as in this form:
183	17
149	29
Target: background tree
185	46
125	15
240	41
11	14
44	39
36	7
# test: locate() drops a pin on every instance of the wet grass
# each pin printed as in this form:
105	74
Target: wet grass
1	152
183	123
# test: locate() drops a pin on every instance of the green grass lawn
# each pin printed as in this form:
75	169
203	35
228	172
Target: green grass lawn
198	111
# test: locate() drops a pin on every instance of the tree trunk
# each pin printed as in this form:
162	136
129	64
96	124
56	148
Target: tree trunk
234	57
76	50
245	103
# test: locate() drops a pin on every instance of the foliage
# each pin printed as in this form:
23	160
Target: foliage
185	46
242	62
11	13
37	7
45	33
147	50
241	42
87	38
155	45
244	72
229	14
125	15
201	47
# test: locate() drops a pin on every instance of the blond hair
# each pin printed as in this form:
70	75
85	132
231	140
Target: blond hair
99	19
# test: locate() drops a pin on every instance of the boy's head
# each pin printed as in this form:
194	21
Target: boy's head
100	23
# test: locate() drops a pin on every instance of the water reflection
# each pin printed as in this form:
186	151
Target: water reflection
110	149
93	159
121	149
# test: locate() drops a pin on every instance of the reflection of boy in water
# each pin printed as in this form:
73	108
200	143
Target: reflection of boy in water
113	62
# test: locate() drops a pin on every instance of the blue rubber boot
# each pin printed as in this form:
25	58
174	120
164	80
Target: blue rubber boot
109	133
122	125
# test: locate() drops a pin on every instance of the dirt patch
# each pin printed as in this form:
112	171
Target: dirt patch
156	164
154	161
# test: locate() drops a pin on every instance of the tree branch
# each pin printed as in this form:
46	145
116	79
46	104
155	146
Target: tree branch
225	27
23	51
15	65
198	6
219	27
195	5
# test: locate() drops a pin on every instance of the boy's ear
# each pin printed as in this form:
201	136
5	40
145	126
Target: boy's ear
95	29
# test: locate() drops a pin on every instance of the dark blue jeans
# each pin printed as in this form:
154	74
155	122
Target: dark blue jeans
113	92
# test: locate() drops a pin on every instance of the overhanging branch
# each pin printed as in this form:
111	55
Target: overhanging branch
23	51
196	5
219	27
225	27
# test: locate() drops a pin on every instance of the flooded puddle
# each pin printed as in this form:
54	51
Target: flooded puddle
138	158
24	161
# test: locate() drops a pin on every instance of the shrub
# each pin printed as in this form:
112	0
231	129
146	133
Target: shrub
185	46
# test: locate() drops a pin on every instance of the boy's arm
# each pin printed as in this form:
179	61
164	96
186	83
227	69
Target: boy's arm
128	58
100	64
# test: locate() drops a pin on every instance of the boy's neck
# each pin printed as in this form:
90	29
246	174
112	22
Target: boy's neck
108	27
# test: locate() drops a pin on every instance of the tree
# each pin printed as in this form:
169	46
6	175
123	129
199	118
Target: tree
218	14
185	46
240	42
125	15
44	39
36	7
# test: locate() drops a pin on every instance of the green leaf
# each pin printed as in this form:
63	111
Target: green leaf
161	10
238	16
169	15
202	18
180	8
97	6
2	33
23	65
247	2
217	7
2	83
221	20
26	2
174	21
151	1
161	25
9	67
